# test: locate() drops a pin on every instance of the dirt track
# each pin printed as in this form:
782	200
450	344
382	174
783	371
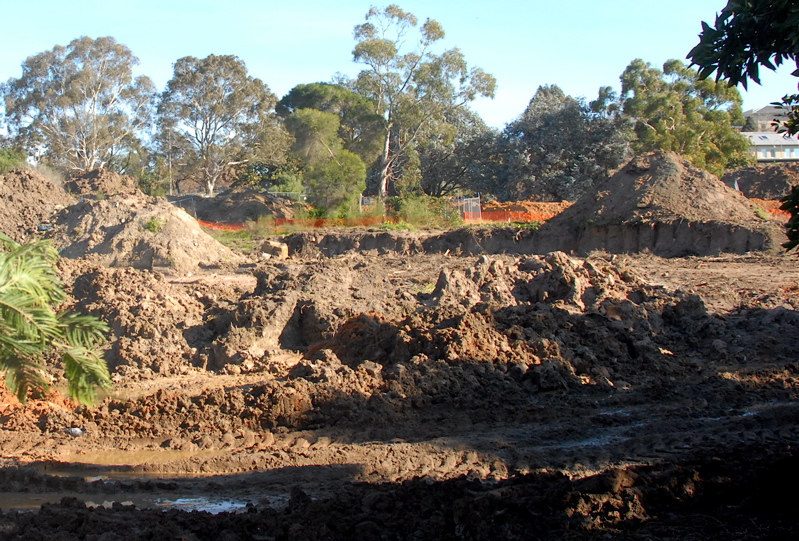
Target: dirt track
427	397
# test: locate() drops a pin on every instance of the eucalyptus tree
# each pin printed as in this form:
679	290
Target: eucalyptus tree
79	107
410	84
214	117
675	109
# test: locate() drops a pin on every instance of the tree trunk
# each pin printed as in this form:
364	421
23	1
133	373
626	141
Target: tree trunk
385	166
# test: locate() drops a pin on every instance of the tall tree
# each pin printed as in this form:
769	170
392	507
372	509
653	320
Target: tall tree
560	147
336	177
410	87
79	107
360	128
213	117
675	109
455	153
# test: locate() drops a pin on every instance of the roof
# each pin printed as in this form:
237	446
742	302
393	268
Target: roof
770	110
770	139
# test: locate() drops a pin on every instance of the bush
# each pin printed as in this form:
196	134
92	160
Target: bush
426	211
11	159
30	291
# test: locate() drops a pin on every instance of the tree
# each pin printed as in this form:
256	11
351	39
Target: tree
360	128
213	117
455	153
560	147
336	177
79	107
749	34
410	88
29	326
675	109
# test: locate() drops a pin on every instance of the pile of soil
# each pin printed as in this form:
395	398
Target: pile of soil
237	205
769	181
28	201
135	230
530	207
102	183
661	203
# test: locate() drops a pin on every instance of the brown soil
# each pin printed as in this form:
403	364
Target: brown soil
765	181
135	230
379	385
531	207
28	200
236	205
102	183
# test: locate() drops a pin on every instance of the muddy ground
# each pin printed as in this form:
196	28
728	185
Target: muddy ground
479	383
424	396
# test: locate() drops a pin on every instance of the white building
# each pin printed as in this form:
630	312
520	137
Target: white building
768	146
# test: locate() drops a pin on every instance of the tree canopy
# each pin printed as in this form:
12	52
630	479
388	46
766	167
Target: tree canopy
214	116
559	147
79	107
675	109
409	84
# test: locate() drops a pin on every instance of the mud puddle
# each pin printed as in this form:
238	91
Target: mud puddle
32	501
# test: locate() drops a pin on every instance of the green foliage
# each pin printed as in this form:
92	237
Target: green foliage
361	129
791	203
748	34
410	85
676	110
79	103
214	118
11	159
30	291
560	147
425	211
154	224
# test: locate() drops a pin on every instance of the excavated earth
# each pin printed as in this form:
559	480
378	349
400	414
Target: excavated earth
378	385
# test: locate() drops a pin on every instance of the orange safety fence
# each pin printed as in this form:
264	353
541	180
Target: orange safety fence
221	226
772	207
509	216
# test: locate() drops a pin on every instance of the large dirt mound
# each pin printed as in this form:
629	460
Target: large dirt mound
101	183
28	201
236	205
660	202
136	230
764	181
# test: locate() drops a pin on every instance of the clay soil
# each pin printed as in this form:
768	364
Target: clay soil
395	388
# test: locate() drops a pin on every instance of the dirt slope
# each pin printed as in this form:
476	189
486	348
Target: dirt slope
660	203
28	202
135	230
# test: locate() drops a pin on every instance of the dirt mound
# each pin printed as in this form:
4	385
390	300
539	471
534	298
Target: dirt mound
102	183
28	201
136	230
660	202
237	205
529	207
764	181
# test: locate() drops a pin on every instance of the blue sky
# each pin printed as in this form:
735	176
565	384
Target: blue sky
578	45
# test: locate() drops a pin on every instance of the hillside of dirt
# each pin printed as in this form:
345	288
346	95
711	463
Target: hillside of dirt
770	181
102	183
662	204
135	230
236	205
28	201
